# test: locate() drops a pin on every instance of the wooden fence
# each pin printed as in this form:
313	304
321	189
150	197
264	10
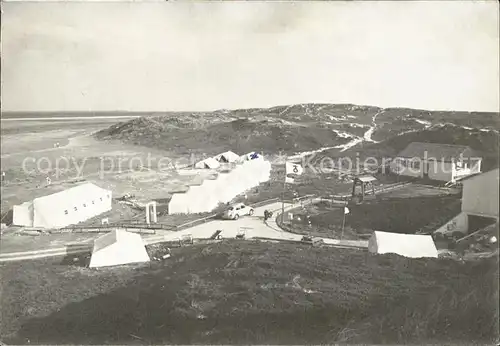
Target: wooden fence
139	226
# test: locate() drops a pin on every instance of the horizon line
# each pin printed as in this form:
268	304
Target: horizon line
241	109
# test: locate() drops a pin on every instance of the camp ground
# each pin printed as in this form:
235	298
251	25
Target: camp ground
150	254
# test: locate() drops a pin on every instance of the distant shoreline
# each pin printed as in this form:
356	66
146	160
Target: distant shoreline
44	118
74	115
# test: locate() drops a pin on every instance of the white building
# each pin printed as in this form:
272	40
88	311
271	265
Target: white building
443	162
407	245
480	194
63	208
479	204
118	247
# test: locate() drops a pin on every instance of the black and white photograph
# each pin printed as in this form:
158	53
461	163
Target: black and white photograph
249	172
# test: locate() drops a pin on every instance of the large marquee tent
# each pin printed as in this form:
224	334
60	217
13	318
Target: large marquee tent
63	208
228	184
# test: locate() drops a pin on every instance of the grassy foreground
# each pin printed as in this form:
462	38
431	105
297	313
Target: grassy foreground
253	292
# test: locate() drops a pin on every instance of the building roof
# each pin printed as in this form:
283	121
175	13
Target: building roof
494	172
366	178
446	152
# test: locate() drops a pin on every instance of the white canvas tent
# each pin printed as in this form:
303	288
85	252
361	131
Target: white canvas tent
227	157
209	163
225	191
226	186
210	194
63	208
407	245
22	215
179	203
251	156
118	247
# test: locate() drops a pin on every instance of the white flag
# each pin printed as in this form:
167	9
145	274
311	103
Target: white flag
289	180
293	168
346	210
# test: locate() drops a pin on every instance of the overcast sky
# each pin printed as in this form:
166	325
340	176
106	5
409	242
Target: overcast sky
205	56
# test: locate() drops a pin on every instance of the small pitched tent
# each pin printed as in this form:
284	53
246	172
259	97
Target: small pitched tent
407	245
209	163
118	247
251	156
227	157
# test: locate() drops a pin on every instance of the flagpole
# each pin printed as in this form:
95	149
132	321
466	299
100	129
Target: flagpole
343	224
283	201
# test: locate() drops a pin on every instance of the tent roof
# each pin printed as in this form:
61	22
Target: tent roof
210	162
229	155
131	249
408	245
438	151
75	193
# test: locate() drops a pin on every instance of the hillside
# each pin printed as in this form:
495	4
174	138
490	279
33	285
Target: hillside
485	143
254	293
295	128
241	135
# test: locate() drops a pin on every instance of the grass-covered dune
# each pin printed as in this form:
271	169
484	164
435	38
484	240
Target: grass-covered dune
240	292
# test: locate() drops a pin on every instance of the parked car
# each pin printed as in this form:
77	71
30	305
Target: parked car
237	210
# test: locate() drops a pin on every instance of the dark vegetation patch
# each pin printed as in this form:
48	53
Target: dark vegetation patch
398	215
484	143
251	292
241	136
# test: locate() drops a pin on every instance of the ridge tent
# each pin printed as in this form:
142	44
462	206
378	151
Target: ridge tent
118	247
209	163
251	156
227	157
407	245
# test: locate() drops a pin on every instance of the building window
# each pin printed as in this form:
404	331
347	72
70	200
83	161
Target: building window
415	164
65	212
